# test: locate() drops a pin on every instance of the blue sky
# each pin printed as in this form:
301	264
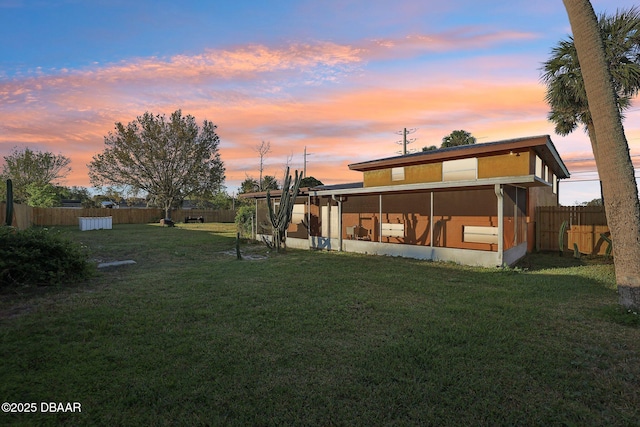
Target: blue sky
339	77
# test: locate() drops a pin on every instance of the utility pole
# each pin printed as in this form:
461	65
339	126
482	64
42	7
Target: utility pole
404	141
304	173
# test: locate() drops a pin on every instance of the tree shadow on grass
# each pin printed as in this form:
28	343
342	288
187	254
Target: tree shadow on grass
551	260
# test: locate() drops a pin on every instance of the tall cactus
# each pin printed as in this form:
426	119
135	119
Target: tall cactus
9	213
281	218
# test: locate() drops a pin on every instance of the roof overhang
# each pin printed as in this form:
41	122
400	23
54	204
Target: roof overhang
274	193
519	181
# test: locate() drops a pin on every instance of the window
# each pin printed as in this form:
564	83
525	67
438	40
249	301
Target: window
298	214
539	167
458	170
555	184
397	174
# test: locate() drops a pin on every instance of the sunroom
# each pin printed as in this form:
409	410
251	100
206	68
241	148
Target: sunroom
469	204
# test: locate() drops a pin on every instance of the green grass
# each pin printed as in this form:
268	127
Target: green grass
191	336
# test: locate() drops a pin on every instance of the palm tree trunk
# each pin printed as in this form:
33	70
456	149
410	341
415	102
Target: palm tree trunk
591	131
614	163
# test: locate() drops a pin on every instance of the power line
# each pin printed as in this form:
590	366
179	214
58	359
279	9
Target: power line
591	159
570	180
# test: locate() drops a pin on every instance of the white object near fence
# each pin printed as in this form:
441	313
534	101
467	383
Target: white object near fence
95	223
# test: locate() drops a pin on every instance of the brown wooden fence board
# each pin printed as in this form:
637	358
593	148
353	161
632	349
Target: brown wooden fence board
22	215
588	239
209	215
549	219
26	216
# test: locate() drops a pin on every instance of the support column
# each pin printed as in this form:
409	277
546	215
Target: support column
254	227
309	219
380	219
431	223
499	195
339	201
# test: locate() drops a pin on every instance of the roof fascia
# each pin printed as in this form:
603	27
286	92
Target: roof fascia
556	157
512	180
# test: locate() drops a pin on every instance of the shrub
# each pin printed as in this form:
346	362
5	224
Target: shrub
38	256
244	220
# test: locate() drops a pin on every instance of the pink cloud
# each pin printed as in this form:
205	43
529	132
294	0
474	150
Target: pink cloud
317	95
457	39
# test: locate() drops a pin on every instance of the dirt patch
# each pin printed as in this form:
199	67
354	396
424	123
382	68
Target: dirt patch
246	256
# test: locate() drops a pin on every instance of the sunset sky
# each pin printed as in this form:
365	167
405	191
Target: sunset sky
340	77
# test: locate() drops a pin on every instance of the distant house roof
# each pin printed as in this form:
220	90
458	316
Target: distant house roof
349	185
542	145
304	191
71	203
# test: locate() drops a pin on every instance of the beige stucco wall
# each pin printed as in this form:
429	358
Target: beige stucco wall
431	172
516	164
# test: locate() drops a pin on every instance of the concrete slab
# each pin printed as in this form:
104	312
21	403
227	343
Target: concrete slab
115	263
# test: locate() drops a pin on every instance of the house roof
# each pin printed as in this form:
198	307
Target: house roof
523	181
542	145
305	191
350	185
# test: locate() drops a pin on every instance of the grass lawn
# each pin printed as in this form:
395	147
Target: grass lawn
191	336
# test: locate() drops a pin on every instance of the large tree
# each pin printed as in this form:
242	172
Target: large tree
457	137
263	149
309	181
168	159
35	169
249	185
611	150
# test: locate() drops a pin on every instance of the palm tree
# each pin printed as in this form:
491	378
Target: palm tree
566	94
458	137
610	147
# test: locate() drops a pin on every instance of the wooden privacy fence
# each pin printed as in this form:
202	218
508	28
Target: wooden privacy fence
26	216
585	224
588	239
22	215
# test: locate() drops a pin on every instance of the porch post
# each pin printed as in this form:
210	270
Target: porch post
309	218
431	223
340	223
516	242
380	220
254	227
338	199
499	195
329	222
